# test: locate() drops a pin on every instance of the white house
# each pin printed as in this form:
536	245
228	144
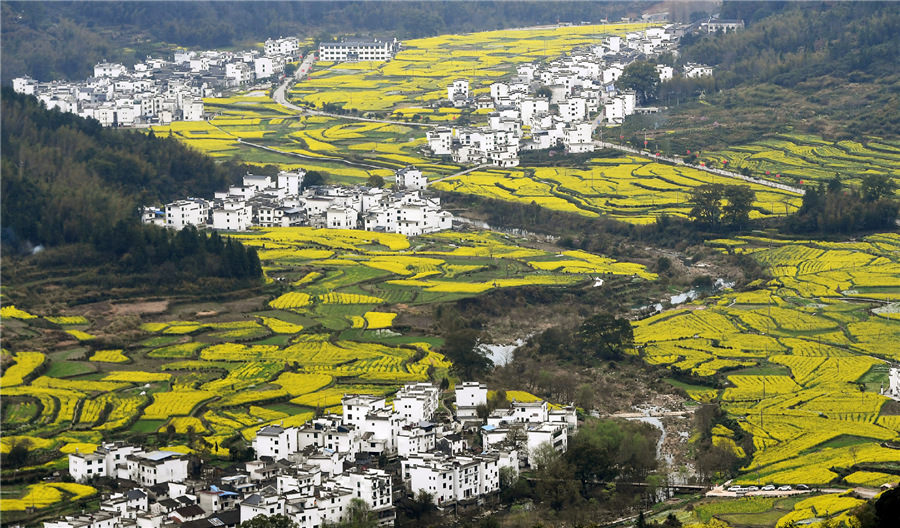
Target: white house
275	441
102	462
692	70
108	69
414	439
156	467
282	46
458	90
232	216
372	486
355	407
417	402
712	26
126	505
101	519
292	181
329	433
457	479
411	178
469	395
265	504
556	434
499	91
440	141
530	412
337	217
380	432
193	211
263	67
665	72
573	109
83	466
577	138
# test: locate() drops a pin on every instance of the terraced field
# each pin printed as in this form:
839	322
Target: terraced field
796	158
327	330
822	330
630	189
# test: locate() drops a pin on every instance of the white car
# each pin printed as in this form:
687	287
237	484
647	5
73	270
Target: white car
735	488
784	488
769	487
752	488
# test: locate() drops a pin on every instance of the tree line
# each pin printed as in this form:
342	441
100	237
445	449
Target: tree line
68	181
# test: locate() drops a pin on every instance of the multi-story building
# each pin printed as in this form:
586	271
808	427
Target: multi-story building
155	467
275	441
417	402
469	395
355	50
457	479
411	178
103	462
193	211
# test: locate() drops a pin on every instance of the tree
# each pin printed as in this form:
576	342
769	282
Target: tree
544	454
271	521
314	179
290	69
18	453
469	360
421	509
604	336
375	181
882	512
641	77
358	515
740	202
706	201
593	452
877	186
604	450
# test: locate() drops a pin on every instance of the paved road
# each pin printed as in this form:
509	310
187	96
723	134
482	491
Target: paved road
460	173
302	70
719	172
721	491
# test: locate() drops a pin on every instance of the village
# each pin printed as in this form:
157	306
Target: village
374	452
284	202
157	91
546	105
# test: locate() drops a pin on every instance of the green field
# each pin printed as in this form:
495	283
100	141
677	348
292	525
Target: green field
797	357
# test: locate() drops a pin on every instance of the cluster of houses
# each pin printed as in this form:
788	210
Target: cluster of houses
312	473
554	101
264	201
157	91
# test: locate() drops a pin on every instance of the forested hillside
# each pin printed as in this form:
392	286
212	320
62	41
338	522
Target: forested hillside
829	69
66	180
